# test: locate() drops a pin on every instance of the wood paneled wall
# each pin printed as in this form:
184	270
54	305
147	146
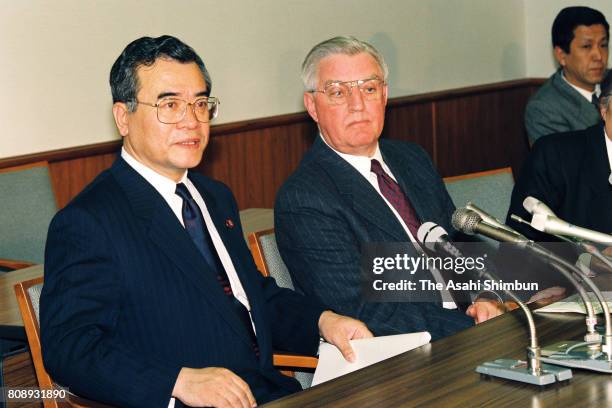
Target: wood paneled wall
464	130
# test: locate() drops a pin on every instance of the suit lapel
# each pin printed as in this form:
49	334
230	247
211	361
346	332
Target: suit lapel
220	215
583	109
597	163
356	190
166	232
405	176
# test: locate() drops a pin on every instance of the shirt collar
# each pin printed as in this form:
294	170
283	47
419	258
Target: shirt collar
162	184
587	95
362	164
609	150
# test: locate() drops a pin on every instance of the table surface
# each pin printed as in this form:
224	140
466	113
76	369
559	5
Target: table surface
9	311
441	374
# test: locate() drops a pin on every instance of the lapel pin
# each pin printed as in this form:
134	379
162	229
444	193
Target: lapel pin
229	223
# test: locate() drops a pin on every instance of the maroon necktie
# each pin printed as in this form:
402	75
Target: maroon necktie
394	194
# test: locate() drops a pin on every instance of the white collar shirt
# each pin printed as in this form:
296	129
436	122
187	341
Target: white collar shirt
363	165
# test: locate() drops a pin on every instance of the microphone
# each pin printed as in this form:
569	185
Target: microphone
489	219
435	238
470	223
535	206
545	220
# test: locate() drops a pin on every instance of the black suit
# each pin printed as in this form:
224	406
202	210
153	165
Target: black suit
128	300
326	211
568	172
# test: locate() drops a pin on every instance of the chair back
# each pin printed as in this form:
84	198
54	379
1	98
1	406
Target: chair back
28	204
268	259
269	262
28	298
256	219
489	190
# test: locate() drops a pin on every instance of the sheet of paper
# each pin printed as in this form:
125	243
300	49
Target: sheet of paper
369	351
573	304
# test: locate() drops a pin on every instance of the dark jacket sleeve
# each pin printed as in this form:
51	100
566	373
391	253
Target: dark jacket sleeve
79	307
323	257
293	317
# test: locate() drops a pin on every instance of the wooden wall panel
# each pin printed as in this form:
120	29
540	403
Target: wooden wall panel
69	177
476	132
255	163
411	123
464	130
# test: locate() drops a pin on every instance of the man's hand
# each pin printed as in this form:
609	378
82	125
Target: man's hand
483	310
212	387
548	296
338	330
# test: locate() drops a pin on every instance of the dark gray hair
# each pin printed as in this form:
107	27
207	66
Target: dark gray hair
337	45
145	51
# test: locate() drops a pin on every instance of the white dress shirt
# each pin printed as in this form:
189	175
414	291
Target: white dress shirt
364	165
166	188
609	149
588	95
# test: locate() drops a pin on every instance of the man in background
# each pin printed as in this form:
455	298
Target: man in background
568	99
150	290
352	189
570	173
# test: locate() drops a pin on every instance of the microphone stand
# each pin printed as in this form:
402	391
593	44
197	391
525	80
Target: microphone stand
531	371
591	359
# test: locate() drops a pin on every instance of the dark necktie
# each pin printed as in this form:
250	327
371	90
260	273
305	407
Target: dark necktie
196	227
595	100
394	194
396	197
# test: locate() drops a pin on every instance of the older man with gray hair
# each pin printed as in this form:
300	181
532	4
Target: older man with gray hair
352	189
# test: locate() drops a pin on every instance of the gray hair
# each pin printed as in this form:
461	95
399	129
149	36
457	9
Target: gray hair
337	45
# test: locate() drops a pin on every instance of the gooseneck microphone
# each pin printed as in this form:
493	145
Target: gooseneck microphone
541	213
435	238
469	222
545	220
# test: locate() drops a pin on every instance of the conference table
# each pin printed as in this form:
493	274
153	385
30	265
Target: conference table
441	374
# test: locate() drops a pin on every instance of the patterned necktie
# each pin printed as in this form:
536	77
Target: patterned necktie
196	227
396	197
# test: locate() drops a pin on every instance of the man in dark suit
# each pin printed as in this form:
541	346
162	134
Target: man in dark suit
567	100
337	201
570	172
150	291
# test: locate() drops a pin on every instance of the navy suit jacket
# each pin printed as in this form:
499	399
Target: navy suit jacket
326	210
128	300
570	173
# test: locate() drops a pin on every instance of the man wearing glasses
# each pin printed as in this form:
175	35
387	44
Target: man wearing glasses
352	189
150	291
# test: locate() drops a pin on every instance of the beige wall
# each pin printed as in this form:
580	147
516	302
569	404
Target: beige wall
56	55
539	16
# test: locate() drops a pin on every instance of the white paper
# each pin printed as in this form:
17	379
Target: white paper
573	304
368	351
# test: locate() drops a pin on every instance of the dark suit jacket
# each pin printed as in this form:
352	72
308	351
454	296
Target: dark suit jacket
326	210
556	108
569	172
128	300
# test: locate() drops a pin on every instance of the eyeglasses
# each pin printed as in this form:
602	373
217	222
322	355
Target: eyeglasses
338	92
172	110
